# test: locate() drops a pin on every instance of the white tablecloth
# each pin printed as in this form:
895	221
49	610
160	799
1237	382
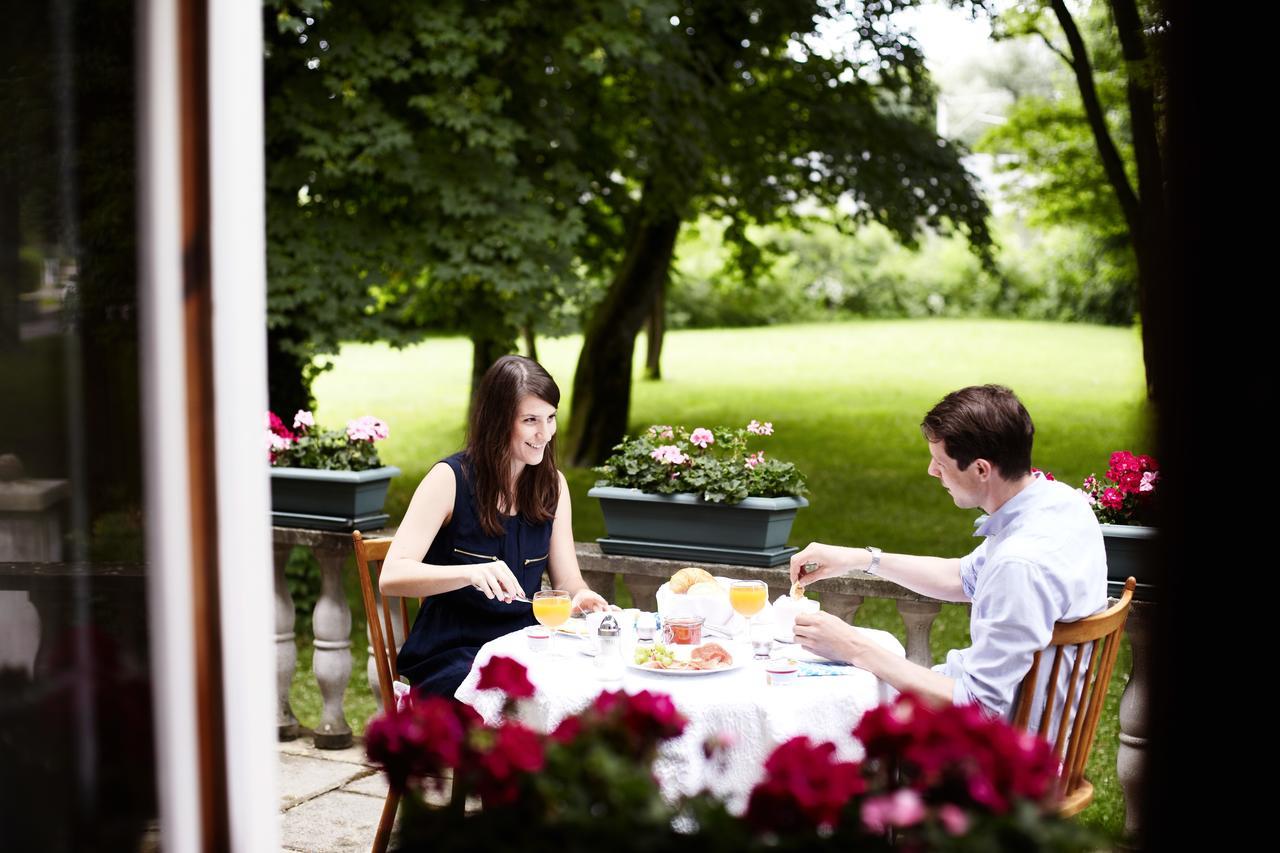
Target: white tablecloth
739	702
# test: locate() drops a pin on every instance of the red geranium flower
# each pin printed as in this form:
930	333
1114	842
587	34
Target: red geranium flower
508	675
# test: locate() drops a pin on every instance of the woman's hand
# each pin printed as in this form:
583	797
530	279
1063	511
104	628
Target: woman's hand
584	601
495	580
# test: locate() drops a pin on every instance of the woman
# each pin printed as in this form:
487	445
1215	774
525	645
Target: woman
482	527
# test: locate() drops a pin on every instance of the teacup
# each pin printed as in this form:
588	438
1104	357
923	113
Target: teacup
785	611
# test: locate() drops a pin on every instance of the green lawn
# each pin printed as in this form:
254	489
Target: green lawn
845	399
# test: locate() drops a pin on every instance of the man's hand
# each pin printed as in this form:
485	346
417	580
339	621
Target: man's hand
828	560
829	636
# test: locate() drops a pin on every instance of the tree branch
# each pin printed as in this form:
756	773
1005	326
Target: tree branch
1112	163
1053	47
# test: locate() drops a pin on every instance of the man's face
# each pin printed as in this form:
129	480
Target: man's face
965	487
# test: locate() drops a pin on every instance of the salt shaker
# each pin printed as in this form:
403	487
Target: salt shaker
609	657
646	627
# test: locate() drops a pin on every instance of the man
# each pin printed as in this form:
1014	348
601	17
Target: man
1041	562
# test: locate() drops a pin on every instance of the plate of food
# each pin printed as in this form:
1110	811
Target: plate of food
575	627
705	659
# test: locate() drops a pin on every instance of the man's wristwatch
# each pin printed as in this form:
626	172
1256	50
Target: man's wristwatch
875	560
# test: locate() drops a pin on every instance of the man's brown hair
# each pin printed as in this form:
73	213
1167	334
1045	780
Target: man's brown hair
983	422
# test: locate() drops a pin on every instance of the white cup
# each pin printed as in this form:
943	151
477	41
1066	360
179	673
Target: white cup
785	611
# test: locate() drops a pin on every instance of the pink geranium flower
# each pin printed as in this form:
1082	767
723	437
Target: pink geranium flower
303	420
757	428
367	428
755	459
702	437
901	808
669	453
953	819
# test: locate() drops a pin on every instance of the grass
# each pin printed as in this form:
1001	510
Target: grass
846	400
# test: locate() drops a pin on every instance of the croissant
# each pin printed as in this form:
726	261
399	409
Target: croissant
685	578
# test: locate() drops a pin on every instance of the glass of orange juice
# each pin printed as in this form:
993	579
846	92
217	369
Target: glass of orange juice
552	607
748	598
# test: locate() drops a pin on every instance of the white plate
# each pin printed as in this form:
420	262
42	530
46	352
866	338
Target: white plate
737	664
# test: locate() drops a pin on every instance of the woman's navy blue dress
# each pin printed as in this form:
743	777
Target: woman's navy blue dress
451	627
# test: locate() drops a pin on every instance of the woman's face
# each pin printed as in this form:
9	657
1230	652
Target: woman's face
534	427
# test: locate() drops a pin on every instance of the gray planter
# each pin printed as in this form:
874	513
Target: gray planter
330	500
685	527
1129	554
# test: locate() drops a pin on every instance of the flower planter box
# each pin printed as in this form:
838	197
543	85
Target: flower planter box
685	527
1129	554
330	500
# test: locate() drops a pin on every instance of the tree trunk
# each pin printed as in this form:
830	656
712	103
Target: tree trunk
1151	241
530	342
487	346
1144	208
287	387
655	332
602	383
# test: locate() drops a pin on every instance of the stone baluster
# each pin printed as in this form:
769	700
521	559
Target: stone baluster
918	617
644	590
331	623
841	604
600	582
1131	757
287	727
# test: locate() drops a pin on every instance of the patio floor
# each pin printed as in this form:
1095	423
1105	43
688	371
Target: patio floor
330	799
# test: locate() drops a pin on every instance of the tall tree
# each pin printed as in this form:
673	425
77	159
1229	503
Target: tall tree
491	166
422	173
750	111
1137	191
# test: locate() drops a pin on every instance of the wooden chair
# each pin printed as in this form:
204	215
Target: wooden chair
382	639
1100	634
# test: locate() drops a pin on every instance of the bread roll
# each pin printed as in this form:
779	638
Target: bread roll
685	578
706	588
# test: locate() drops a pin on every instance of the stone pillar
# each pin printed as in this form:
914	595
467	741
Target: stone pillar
287	727
331	623
918	616
644	590
30	532
1131	758
600	582
841	604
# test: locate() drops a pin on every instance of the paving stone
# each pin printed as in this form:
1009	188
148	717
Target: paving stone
303	777
338	822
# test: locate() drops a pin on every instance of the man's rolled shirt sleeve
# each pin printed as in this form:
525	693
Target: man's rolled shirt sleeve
1012	619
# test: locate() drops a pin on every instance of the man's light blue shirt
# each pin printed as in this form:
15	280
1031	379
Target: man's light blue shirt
1042	562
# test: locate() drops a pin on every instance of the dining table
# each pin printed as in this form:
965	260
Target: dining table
737	708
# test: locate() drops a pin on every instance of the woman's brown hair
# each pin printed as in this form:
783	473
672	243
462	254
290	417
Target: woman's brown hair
493	416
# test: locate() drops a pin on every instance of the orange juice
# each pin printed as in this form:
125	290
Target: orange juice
748	599
552	612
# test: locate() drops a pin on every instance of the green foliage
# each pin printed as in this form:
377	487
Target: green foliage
667	460
482	167
1047	146
820	273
